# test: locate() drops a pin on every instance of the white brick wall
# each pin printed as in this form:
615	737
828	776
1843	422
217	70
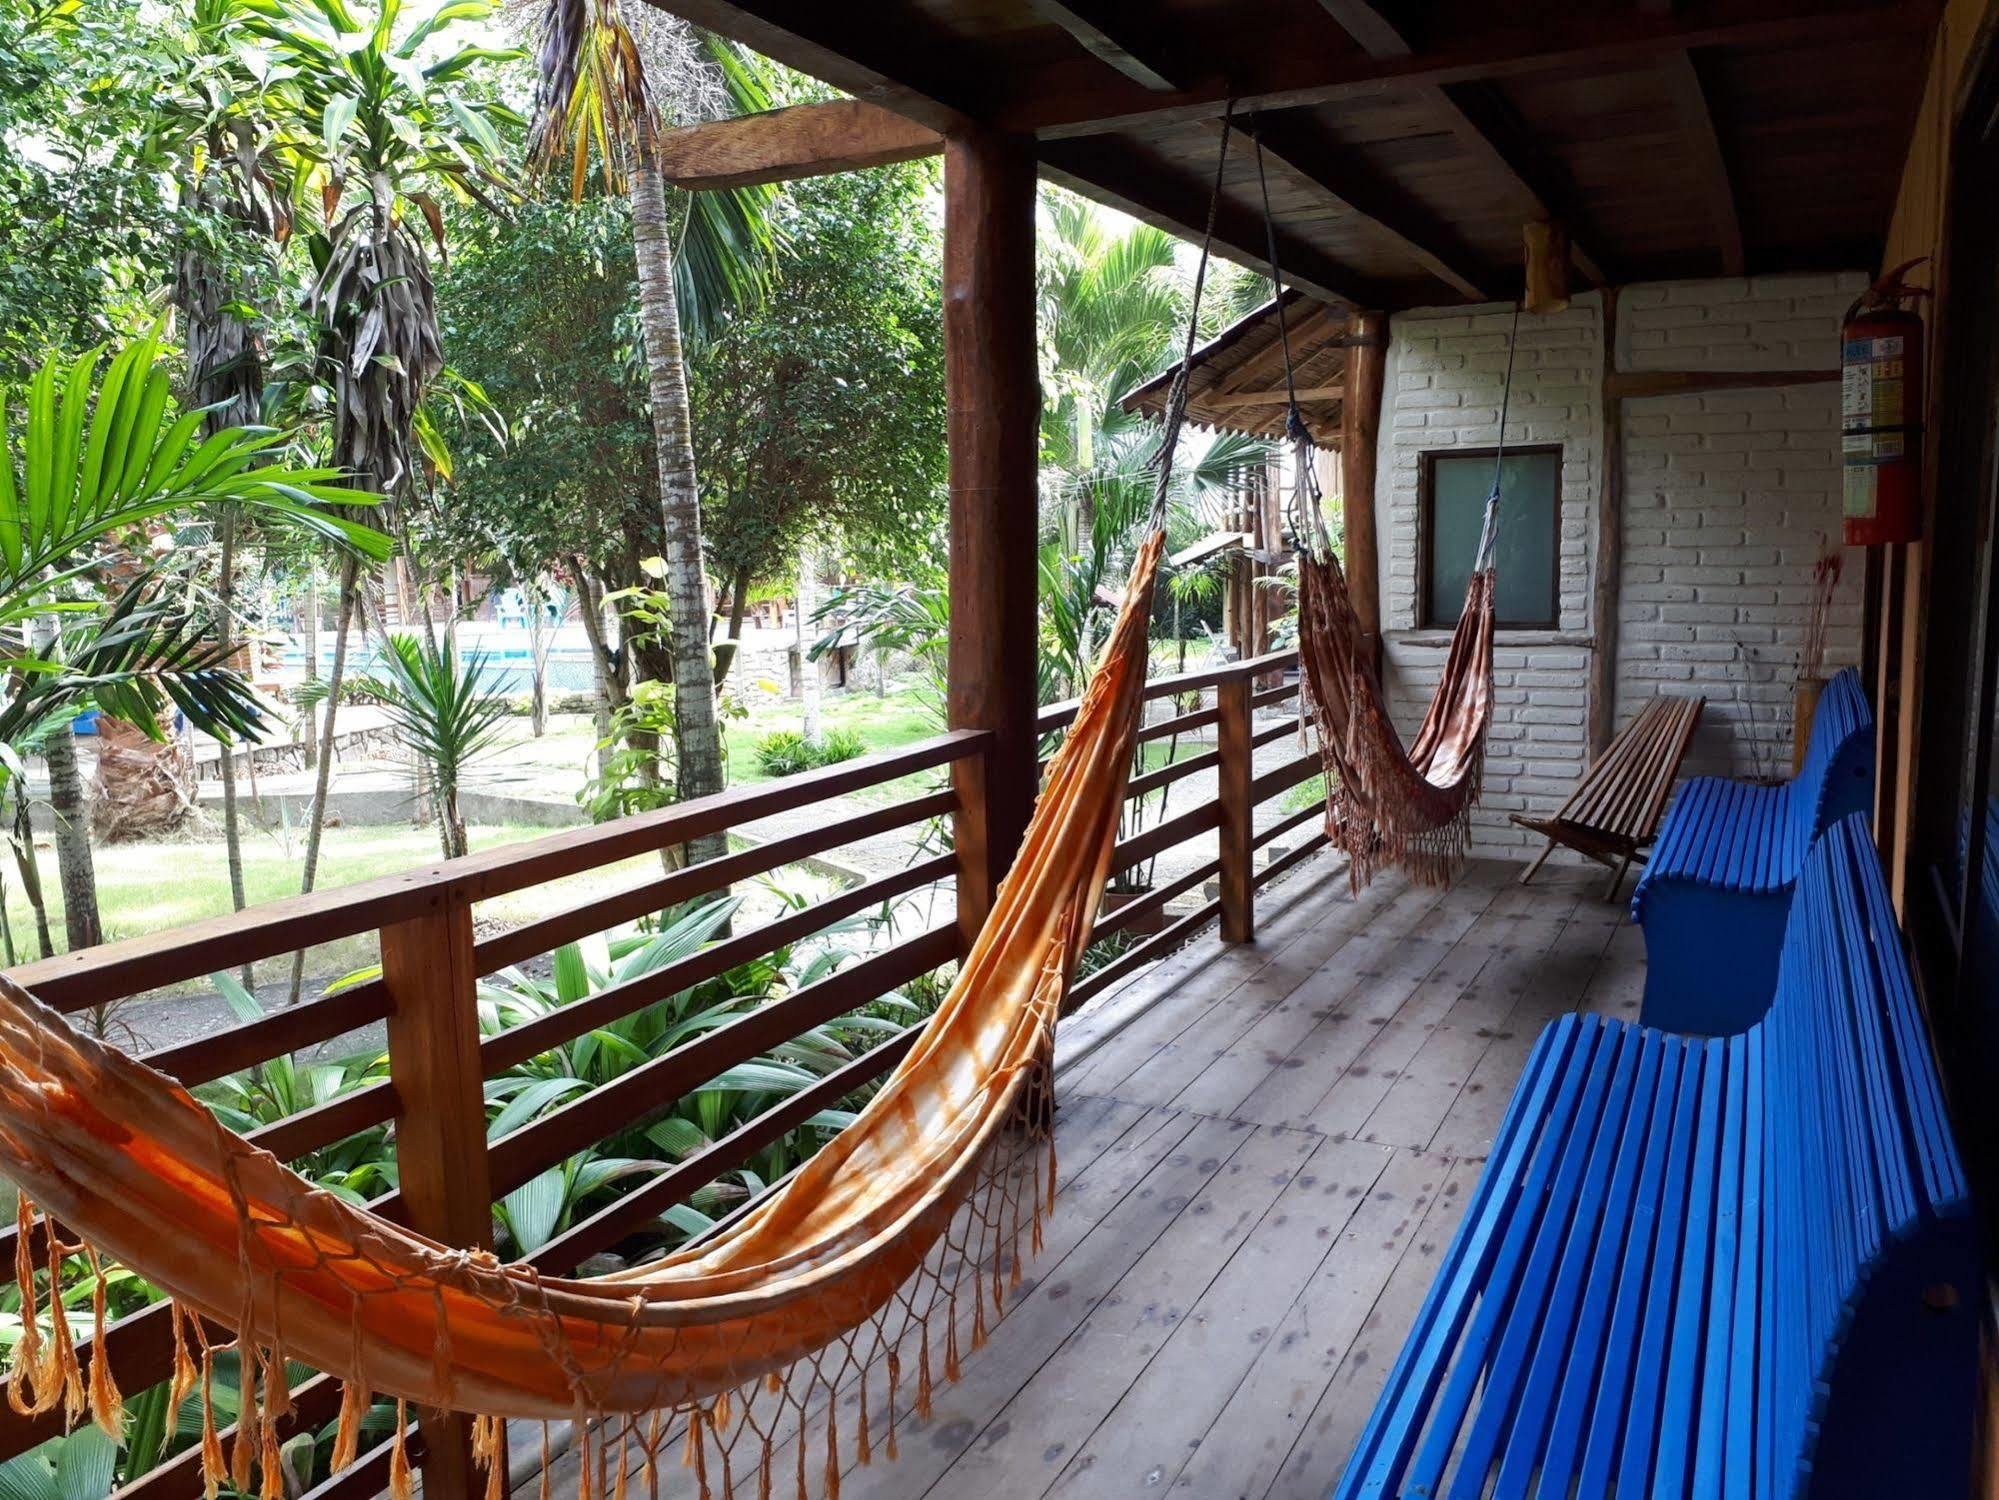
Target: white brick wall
1728	497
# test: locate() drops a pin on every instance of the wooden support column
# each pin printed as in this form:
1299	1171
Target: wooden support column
994	399
433	1036
1237	854
1360	437
1609	560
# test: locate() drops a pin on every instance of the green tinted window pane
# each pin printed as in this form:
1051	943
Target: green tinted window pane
1530	490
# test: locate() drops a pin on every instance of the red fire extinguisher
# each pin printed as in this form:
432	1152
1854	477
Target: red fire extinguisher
1881	412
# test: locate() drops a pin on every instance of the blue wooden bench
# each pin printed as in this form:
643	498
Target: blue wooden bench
1738	1267
1717	888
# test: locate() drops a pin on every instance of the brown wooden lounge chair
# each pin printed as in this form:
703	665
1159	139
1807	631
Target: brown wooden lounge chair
1614	812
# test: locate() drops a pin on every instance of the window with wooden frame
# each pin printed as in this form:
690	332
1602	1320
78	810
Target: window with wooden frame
1452	485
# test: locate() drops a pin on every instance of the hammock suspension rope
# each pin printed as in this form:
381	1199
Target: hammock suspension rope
1386	803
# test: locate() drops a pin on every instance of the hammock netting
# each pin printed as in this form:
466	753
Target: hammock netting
1387	804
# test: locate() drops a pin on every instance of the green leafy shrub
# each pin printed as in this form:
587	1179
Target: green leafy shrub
787	752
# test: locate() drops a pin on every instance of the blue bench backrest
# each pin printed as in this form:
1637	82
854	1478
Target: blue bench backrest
1857	1152
1837	775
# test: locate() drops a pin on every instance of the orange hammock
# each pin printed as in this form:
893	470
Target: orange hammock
918	1207
1386	804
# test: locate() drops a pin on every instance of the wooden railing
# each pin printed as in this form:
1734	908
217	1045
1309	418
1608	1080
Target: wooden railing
432	958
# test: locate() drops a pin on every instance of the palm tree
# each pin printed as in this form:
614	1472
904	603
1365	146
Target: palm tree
376	114
446	712
235	214
100	456
596	93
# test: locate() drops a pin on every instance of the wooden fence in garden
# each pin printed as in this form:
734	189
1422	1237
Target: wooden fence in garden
433	957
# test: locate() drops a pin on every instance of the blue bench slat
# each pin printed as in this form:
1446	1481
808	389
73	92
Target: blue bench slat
1555	1344
1514	1300
1675	1239
1647	1242
1627	1218
1392	1429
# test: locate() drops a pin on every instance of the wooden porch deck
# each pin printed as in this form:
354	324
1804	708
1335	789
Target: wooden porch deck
1264	1151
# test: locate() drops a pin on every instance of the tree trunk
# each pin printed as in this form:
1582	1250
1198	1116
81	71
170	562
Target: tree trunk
31	868
725	657
540	641
309	730
73	864
610	694
232	831
322	783
808	670
697	732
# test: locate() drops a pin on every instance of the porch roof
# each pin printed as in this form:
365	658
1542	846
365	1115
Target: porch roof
1237	384
1406	145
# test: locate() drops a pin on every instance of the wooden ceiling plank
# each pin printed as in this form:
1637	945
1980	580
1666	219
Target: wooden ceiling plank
1382	37
1333	174
1600	40
1272	398
1113	37
781	145
1681	75
805	35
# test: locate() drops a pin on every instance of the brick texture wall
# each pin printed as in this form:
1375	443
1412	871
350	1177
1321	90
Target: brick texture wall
1728	498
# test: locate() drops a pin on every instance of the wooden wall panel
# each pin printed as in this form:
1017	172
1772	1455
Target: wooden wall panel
1917	229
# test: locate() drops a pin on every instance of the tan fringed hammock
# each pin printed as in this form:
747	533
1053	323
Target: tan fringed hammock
847	1284
849	1281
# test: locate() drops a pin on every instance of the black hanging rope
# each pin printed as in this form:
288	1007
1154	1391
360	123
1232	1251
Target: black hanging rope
1175	413
1488	538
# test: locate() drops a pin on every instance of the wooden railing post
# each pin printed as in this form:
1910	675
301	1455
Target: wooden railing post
1238	807
429	971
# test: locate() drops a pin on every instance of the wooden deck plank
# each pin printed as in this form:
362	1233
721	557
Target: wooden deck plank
1156	1425
1022	1447
1327	1436
1264	1151
1250	1442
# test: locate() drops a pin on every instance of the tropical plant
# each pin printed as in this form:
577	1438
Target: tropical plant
379	115
597	95
446	711
679	1128
96	456
786	752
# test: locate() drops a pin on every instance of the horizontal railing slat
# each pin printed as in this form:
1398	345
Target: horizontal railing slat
549	933
521	1154
1284	777
504	1049
1175	830
677	1183
290	1030
114	971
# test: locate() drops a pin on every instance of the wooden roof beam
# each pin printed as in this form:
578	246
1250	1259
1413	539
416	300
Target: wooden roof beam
1128	43
781	145
1179	206
912	69
1682	78
1289	77
1357	192
1499	142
